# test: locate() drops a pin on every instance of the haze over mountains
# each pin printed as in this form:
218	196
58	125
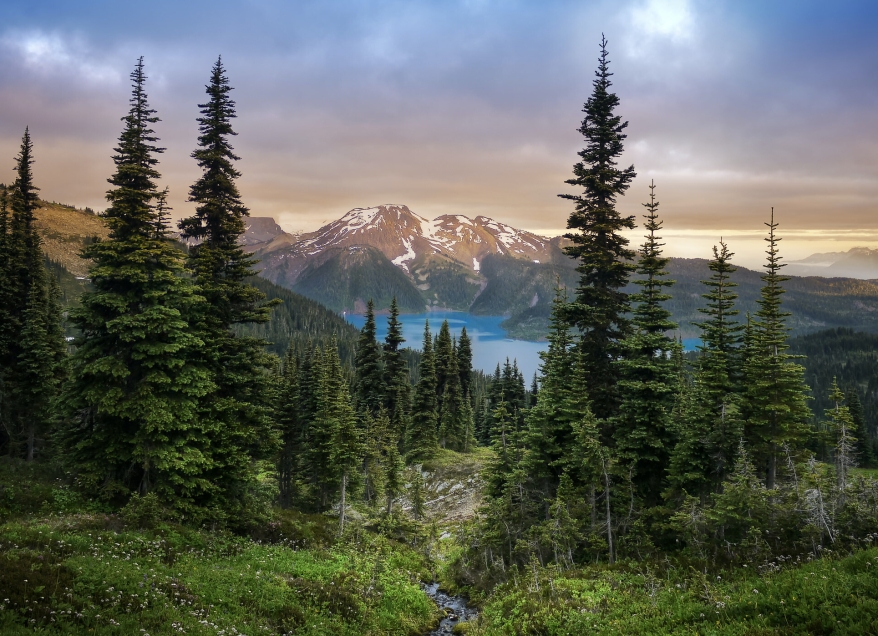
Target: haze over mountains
858	262
476	265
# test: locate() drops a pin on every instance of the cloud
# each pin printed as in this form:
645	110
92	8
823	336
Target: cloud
50	54
671	19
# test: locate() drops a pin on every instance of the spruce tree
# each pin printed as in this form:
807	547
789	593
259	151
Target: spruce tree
369	383
33	347
719	366
775	407
865	455
421	440
841	425
396	375
137	377
647	377
452	424
288	419
444	350
465	363
599	307
550	426
239	365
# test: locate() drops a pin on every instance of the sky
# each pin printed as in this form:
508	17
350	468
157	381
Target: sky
472	107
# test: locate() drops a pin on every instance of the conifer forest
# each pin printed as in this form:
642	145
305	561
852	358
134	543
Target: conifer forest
190	449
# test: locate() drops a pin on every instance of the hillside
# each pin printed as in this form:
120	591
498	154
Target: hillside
300	320
65	231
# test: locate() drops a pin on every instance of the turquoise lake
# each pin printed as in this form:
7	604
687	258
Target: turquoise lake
489	341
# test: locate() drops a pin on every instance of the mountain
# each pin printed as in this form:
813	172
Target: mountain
857	262
260	229
441	260
297	320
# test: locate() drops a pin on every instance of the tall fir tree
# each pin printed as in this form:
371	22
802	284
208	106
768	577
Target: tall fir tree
421	437
647	377
452	422
775	395
865	454
137	376
465	363
443	352
600	305
33	345
239	365
710	421
397	395
288	419
369	383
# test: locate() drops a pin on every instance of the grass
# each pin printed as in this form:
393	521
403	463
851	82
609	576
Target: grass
66	567
826	596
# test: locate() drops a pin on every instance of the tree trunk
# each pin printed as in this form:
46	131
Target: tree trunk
344	487
609	515
31	438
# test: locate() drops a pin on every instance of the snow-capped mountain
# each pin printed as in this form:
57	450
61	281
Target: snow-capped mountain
405	237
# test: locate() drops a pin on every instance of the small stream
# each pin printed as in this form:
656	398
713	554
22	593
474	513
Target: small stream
454	607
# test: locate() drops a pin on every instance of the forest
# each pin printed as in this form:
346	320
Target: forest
211	454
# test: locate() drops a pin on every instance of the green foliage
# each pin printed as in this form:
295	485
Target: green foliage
648	381
369	383
775	409
357	273
599	306
826	596
133	402
850	357
421	437
98	575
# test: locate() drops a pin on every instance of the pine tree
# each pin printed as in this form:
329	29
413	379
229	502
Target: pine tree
396	375
239	365
369	384
289	421
720	365
599	308
647	377
842	427
137	377
393	481
775	407
452	424
465	363
444	351
550	423
421	440
865	455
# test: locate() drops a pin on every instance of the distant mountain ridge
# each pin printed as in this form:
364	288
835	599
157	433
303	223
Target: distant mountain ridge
489	268
857	262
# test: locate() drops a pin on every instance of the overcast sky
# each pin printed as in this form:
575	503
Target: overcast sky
471	106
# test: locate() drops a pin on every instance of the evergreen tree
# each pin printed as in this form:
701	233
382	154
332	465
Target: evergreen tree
291	428
239	365
647	377
393	467
465	363
369	384
452	424
842	427
444	352
550	423
775	395
865	455
396	375
421	440
137	377
719	364
600	305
